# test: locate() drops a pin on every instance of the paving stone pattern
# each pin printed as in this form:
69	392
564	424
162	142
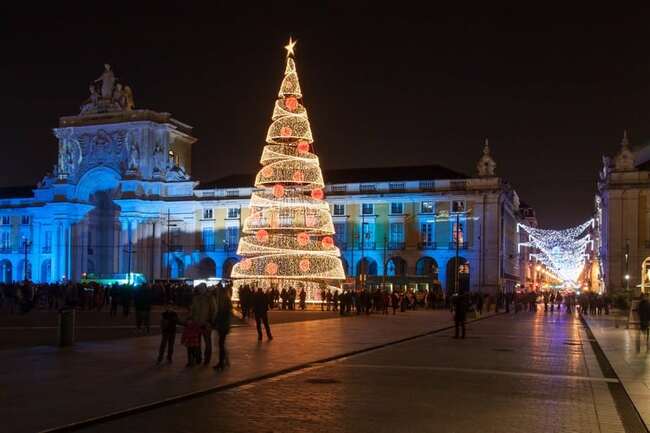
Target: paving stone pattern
518	373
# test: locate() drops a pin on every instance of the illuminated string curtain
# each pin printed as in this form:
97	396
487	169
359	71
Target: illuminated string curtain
288	238
564	252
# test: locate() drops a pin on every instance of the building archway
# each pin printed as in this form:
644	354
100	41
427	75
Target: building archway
177	268
207	268
46	271
427	267
5	271
367	266
396	267
463	275
24	272
227	267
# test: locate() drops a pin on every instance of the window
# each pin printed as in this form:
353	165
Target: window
396	232
207	214
24	219
233	212
367	188
6	220
232	238
339	210
426	234
458	206
368	231
396	208
47	242
367	209
427	185
5	241
208	238
339	188
426	207
340	234
232	193
457	233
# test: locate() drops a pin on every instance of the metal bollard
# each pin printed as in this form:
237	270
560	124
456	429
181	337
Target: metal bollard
66	329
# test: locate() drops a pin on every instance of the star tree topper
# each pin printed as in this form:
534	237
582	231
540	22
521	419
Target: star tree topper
290	47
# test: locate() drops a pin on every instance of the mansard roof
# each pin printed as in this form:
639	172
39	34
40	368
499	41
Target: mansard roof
353	175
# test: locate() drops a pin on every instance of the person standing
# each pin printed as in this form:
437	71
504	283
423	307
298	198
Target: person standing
303	299
168	323
460	314
261	309
203	310
644	317
222	324
191	339
323	299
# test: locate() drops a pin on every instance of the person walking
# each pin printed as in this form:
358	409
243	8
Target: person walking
261	309
460	314
222	324
303	299
168	323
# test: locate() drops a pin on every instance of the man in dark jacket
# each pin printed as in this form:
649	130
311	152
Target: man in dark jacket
460	313
261	308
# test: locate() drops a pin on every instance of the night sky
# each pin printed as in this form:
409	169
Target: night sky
552	89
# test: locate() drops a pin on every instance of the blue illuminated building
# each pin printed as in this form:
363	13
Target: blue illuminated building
121	199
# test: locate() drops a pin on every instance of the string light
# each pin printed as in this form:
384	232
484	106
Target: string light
562	251
287	237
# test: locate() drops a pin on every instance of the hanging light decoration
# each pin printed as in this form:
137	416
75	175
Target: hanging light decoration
562	251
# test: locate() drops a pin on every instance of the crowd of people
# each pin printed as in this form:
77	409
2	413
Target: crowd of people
200	310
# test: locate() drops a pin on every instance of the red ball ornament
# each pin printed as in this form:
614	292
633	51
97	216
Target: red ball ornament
328	242
291	103
303	146
303	239
304	265
278	190
285	131
271	268
262	235
267	171
245	264
317	194
298	176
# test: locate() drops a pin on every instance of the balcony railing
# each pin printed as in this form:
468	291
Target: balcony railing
461	246
427	245
395	245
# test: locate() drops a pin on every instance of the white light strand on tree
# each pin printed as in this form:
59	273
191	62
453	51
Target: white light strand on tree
288	236
564	252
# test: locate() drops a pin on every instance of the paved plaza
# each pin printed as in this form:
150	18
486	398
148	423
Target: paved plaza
530	372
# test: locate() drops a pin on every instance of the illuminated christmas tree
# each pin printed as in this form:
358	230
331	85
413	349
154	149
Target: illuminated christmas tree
288	236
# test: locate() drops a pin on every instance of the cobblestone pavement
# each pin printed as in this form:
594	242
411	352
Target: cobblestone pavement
629	355
530	372
38	328
44	387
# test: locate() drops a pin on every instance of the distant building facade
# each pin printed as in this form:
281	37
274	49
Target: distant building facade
121	199
623	219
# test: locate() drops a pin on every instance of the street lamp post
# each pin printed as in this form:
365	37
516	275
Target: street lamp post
26	244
